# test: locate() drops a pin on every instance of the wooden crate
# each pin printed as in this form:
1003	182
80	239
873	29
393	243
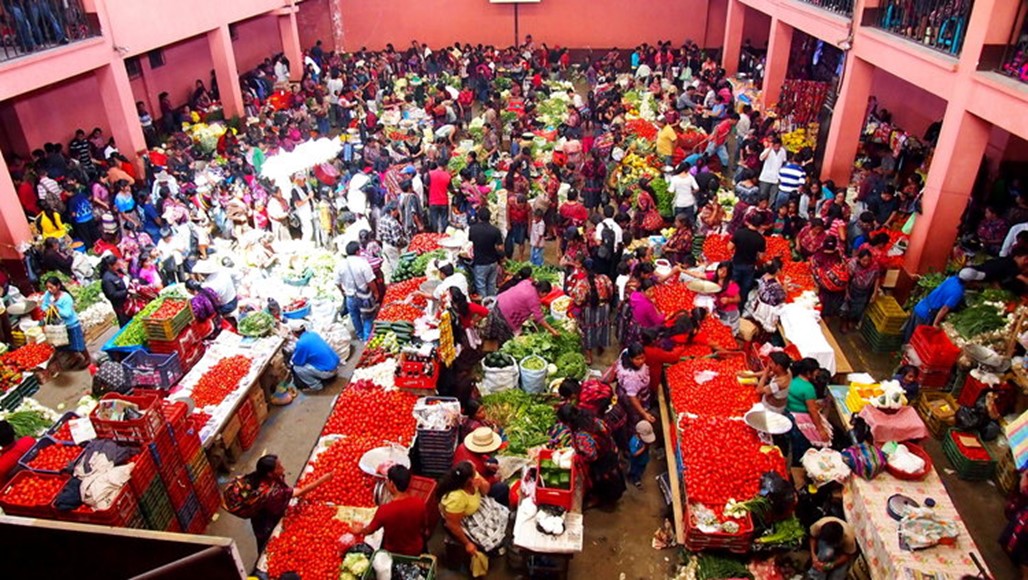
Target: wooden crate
96	331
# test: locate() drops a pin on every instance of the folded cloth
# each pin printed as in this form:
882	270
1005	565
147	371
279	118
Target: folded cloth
101	486
479	565
902	425
807	426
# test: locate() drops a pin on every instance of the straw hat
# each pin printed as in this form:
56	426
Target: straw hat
703	287
482	440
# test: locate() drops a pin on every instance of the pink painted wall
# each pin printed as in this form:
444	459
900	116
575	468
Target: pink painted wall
184	63
714	35
314	21
257	39
912	108
756	28
572	23
53	114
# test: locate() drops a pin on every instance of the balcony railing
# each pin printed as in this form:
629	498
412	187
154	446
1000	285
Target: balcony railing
939	24
30	26
1015	55
844	7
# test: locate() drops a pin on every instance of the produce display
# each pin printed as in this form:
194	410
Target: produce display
553	475
359	410
400	291
715	248
55	457
672	297
32	490
167	310
309	543
715	333
10	377
86	295
32	419
257	324
542	344
28	357
399	311
525	419
572	364
133	334
719	396
220	380
412	265
542	273
424	242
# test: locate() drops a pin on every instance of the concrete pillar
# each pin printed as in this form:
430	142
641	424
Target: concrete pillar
120	106
291	43
779	44
224	58
14	228
958	155
847	121
734	23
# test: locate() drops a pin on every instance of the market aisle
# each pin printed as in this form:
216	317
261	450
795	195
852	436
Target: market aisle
289	432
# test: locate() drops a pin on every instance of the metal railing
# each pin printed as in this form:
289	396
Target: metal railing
838	6
939	24
30	26
1014	62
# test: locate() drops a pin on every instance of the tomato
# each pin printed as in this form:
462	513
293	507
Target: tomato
673	297
715	248
220	380
797	278
777	247
169	309
714	333
63	433
399	312
29	356
399	291
642	128
309	543
34	490
424	243
55	457
722	396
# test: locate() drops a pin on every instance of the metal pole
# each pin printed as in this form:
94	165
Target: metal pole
167	569
517	35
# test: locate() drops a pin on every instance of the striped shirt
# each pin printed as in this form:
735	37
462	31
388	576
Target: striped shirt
790	178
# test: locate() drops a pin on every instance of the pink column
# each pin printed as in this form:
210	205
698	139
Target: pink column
14	228
224	58
779	44
962	143
847	121
120	106
734	22
291	43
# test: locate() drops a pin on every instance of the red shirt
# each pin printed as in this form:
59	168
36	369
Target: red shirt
438	186
405	522
10	455
27	196
574	212
656	358
476	459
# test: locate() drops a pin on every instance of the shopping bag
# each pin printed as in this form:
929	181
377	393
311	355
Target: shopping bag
54	329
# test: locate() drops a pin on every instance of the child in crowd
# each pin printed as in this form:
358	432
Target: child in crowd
537	237
639	451
909	377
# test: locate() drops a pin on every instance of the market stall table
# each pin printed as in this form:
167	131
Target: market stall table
810	334
865	504
260	351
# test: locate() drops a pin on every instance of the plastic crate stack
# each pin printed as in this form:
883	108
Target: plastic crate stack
153	370
248	425
13	398
882	327
970	458
199	470
932	352
187	345
154	502
171	463
436	449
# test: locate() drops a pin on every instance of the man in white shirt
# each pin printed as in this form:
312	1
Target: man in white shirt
742	131
220	281
1011	239
773	158
354	278
356	199
608	222
683	187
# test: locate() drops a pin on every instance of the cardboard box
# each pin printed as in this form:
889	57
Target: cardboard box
260	403
230	432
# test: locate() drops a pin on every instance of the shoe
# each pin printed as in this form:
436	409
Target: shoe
63	41
638	483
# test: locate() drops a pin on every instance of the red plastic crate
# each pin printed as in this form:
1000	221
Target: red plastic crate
179	488
38	511
121	512
141	430
175	414
143	473
424	488
54	431
934	347
739	543
188	442
26	460
183	345
550	496
173	526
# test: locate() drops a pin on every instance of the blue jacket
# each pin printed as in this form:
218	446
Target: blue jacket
312	350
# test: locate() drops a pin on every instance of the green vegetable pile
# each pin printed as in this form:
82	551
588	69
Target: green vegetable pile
87	295
716	567
572	364
28	423
257	324
134	334
925	284
785	534
977	319
533	363
544	273
542	344
664	198
526	419
412	265
553	476
497	360
354	566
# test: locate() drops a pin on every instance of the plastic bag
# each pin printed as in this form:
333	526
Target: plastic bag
498	379
779	492
825	466
533	381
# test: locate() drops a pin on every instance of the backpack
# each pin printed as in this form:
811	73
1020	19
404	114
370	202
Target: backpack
606	249
241	498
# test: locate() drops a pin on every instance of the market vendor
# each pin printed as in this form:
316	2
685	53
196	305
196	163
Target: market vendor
220	280
832	547
596	452
450	279
773	382
933	308
514	307
404	520
597	398
1011	272
314	363
473	518
478	449
11	450
272	496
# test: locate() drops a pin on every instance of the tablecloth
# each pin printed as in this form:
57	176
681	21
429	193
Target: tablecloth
528	537
865	505
802	327
904	425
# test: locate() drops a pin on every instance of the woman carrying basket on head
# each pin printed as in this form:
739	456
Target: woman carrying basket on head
59	305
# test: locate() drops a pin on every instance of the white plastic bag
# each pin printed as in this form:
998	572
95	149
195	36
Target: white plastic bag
824	466
498	379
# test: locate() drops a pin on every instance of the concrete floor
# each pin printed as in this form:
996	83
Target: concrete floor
617	542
